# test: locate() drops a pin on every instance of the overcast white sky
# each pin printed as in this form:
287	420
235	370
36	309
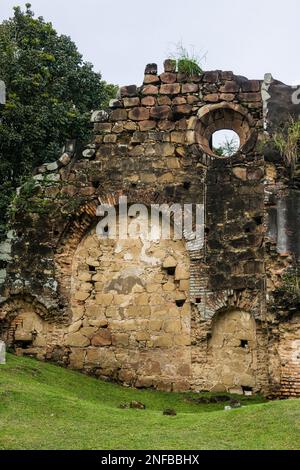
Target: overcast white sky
119	37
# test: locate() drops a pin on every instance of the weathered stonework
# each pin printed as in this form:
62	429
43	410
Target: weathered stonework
174	315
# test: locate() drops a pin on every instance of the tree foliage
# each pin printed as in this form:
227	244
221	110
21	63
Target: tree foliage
50	93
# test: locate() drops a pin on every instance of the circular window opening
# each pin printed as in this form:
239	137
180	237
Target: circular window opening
224	129
225	143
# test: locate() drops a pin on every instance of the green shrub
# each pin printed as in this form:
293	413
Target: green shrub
287	142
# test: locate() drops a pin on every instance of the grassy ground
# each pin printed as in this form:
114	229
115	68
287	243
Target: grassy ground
45	407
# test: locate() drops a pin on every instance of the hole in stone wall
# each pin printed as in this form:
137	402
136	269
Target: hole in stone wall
180	303
171	271
225	143
24	344
96	184
198	300
92	269
247	390
187	185
258	220
225	129
250	227
244	344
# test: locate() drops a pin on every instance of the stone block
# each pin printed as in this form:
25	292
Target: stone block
148	101
151	69
183	109
170	89
178	137
101	357
147	125
155	325
82	295
168	77
104	299
191	99
227	97
120	339
75	326
166	178
160	112
230	86
172	326
181	273
164	100
138	311
181	386
142	336
110	139
77	340
118	115
164	150
211	77
211	98
151	79
251	86
128	91
163	341
166	125
240	173
250	97
179	100
169	287
141	299
118	127
169	262
77	357
84	276
139	114
182	340
190	88
150	90
131	102
102	338
130	126
144	382
170	65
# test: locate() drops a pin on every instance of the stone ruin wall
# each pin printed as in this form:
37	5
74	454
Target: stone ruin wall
169	315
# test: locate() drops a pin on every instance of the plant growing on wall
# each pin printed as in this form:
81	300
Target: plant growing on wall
287	143
30	197
188	62
228	148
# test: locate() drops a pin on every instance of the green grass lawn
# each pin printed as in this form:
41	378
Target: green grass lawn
43	406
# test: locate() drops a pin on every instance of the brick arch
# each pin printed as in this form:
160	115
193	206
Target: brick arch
86	217
219	301
12	308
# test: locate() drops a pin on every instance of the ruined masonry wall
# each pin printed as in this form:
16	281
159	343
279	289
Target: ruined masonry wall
169	315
